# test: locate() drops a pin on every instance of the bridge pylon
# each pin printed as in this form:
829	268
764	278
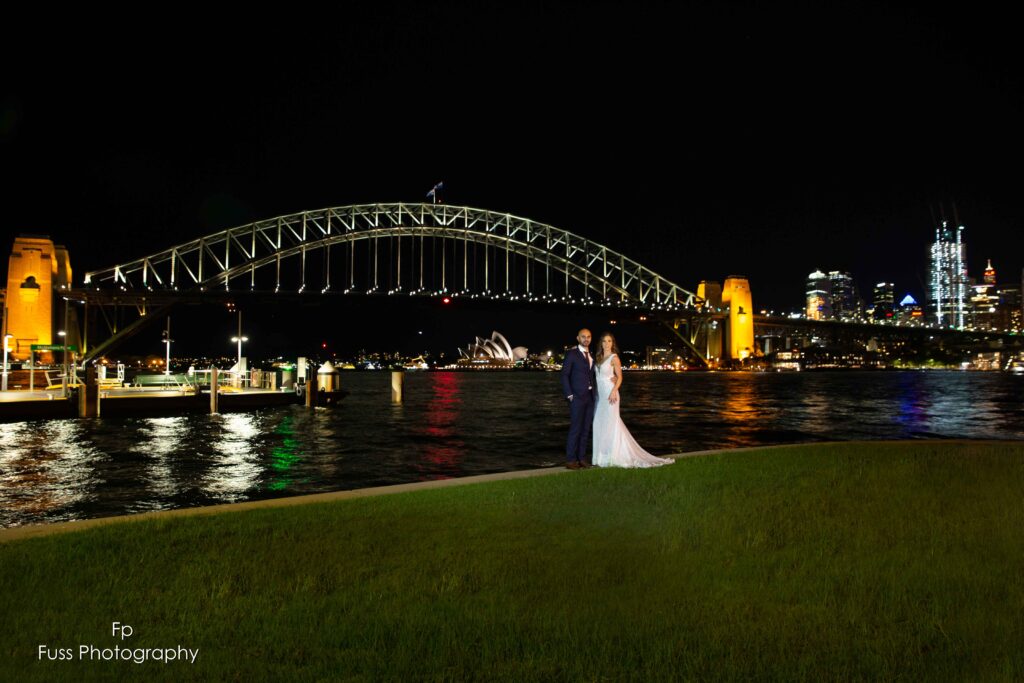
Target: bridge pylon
739	332
36	305
720	330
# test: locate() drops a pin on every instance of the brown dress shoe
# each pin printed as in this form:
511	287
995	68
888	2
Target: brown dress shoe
573	466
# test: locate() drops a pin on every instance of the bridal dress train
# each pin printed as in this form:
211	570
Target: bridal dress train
613	444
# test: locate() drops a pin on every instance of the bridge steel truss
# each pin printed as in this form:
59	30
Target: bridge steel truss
561	266
227	258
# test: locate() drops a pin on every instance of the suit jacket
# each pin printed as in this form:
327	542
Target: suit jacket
577	374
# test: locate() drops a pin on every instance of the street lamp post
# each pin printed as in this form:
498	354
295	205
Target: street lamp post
6	337
6	350
167	340
238	363
239	339
64	345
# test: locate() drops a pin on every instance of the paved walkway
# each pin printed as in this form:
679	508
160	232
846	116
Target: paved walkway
32	530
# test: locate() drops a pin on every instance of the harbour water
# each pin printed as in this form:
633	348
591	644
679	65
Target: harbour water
460	424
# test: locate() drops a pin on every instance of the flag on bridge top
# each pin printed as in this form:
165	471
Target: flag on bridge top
433	194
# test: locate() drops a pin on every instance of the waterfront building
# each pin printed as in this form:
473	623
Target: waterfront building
947	277
495	352
786	360
844	297
819	296
663	358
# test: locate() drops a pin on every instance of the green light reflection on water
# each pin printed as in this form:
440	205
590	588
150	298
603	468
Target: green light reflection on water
284	457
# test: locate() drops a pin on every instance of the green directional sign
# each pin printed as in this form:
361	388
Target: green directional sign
52	347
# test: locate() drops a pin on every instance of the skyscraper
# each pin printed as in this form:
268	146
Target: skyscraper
844	299
819	296
910	312
947	277
983	302
884	301
1009	313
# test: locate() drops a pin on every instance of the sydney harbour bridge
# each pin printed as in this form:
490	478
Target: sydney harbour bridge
398	249
404	249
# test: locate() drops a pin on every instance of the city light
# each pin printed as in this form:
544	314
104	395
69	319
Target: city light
239	341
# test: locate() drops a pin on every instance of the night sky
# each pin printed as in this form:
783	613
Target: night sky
699	141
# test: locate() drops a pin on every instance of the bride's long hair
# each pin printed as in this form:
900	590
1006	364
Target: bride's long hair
600	347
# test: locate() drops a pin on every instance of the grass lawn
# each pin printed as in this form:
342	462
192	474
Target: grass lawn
818	562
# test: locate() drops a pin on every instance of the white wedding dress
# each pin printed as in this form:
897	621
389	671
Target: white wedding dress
613	444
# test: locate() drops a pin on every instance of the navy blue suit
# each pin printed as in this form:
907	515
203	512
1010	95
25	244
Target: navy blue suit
578	382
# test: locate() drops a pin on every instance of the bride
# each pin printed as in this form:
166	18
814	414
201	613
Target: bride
613	445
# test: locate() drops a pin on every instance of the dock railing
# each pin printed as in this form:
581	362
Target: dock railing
55	380
199	380
172	382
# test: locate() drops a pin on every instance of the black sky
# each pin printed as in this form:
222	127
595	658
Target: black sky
700	140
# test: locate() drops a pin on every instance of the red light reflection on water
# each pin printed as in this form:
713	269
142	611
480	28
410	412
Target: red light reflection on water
444	449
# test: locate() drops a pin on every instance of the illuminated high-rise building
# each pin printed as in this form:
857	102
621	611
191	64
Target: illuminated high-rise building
910	312
990	274
984	301
884	301
819	296
1009	314
844	298
947	277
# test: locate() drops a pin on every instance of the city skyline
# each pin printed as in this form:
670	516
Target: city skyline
952	297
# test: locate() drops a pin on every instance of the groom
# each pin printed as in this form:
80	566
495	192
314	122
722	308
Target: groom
578	389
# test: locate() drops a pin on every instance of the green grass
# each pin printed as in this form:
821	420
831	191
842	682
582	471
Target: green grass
821	562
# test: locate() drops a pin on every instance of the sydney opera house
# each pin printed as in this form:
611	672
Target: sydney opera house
491	353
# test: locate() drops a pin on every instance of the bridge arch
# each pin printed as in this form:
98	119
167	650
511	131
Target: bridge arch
241	257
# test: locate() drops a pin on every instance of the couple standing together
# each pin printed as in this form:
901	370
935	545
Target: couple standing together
591	385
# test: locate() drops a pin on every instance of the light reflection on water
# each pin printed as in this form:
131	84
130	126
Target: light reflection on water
459	424
45	471
284	457
234	467
160	439
441	433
